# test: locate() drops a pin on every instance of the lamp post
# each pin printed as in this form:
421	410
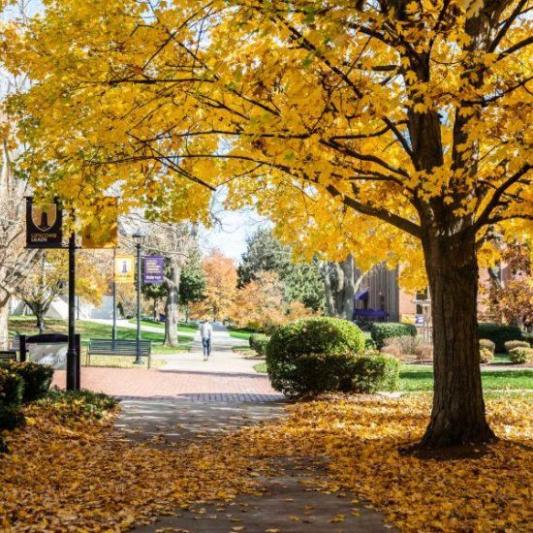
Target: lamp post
137	237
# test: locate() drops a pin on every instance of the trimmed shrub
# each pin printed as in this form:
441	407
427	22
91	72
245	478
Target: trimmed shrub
384	330
519	356
11	417
487	344
370	344
261	346
11	388
37	378
485	355
499	334
375	373
511	345
11	393
313	355
258	342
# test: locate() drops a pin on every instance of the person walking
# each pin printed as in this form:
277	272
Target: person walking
206	332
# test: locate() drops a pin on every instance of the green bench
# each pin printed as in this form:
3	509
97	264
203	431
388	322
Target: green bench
119	347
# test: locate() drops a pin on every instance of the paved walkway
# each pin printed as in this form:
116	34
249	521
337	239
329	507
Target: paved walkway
190	399
226	377
287	503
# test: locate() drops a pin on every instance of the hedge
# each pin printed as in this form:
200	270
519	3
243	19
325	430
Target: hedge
259	342
11	394
37	378
384	330
499	334
313	355
376	373
519	356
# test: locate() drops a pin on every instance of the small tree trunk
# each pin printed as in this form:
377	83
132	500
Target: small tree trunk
39	320
348	294
172	306
4	321
458	414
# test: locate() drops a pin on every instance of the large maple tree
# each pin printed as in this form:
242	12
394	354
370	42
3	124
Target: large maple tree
384	126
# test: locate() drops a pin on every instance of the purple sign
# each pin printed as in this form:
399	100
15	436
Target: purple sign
154	270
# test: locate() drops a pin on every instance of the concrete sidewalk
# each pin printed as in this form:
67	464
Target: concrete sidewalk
287	503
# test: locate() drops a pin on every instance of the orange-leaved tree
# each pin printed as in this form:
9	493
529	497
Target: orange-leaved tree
403	125
220	286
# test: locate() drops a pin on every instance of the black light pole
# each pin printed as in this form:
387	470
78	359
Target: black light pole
73	378
137	238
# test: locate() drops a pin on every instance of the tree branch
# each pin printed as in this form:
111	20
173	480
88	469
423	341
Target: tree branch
496	197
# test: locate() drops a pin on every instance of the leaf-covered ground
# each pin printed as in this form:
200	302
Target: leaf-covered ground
69	470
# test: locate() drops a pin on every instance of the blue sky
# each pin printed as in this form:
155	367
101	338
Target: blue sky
230	232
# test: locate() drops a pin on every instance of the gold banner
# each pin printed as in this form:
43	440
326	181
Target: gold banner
125	269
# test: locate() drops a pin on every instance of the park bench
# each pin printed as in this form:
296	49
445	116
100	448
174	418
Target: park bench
119	347
8	355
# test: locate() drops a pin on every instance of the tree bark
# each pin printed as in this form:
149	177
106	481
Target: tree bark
172	305
458	414
4	320
348	292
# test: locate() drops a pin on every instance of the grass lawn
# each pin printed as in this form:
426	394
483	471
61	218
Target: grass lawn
261	367
420	378
87	330
186	329
417	378
237	333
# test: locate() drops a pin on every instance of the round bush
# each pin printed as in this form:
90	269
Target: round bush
37	378
511	345
375	373
384	330
485	355
258	342
11	388
313	355
519	356
487	344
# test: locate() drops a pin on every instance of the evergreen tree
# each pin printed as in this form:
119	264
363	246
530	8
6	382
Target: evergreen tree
301	281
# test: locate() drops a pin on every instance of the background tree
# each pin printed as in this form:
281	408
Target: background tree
192	283
175	242
259	304
48	280
15	261
511	298
156	293
220	286
408	115
302	281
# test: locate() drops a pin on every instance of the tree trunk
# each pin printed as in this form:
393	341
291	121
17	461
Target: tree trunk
39	320
328	286
172	306
348	293
458	414
4	321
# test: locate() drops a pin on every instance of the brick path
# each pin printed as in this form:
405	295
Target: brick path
142	383
225	377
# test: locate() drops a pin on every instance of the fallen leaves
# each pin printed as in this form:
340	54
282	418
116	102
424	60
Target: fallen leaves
74	473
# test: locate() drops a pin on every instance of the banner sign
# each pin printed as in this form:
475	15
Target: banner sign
124	269
102	230
154	270
43	225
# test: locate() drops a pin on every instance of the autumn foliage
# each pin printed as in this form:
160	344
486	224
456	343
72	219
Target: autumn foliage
394	130
221	283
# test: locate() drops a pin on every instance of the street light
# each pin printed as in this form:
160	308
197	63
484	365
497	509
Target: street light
137	238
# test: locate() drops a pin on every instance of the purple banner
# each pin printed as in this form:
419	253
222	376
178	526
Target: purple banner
154	270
